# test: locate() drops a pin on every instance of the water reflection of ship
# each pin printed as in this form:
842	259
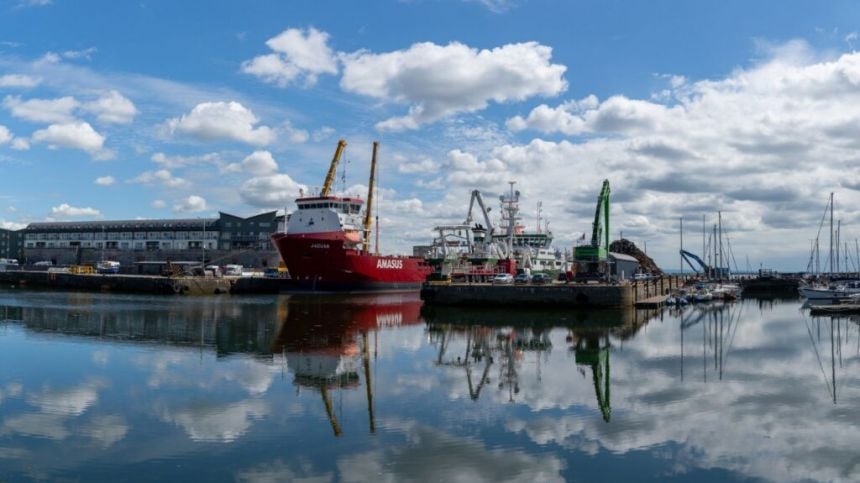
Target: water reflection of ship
508	340
839	330
719	323
485	346
325	342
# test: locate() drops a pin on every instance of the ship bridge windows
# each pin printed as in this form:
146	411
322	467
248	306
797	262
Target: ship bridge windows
346	207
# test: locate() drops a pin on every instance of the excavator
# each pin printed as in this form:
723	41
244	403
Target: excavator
592	258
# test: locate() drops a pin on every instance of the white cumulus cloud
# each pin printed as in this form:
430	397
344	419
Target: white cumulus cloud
191	204
298	54
105	180
67	211
159	204
160	176
19	80
270	191
11	225
112	107
222	121
20	144
42	110
437	81
76	135
5	135
257	163
177	161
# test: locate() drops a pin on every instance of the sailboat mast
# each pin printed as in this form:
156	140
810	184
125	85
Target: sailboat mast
703	237
838	258
681	222
720	222
714	275
831	232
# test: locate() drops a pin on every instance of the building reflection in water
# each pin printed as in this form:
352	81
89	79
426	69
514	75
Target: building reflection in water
505	339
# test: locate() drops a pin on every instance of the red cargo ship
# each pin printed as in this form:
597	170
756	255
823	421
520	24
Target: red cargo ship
326	245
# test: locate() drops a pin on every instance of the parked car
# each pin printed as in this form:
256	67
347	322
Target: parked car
215	269
522	278
642	276
503	279
44	263
540	279
233	270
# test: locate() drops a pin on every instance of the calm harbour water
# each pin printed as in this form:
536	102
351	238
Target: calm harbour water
100	387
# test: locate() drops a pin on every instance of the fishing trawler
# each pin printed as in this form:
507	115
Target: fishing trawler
326	246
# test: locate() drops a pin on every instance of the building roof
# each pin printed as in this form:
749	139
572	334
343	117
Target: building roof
114	225
166	224
621	256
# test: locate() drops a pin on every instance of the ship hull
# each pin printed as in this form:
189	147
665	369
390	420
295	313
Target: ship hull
319	262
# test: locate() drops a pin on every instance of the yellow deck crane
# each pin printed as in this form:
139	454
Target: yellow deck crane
332	170
368	212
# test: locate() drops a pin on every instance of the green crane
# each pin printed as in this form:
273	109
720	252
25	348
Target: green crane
598	249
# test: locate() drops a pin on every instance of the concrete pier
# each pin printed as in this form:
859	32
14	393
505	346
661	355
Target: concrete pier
551	295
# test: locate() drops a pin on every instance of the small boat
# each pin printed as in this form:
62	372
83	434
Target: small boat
107	266
831	293
726	291
703	295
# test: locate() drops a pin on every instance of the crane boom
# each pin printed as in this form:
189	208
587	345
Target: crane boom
332	169
476	196
688	255
369	210
598	249
601	229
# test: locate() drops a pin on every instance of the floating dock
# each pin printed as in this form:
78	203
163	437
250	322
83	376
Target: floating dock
837	309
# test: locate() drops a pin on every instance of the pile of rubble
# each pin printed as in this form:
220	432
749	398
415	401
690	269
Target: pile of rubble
627	247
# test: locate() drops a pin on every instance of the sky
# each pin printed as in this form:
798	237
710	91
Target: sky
160	109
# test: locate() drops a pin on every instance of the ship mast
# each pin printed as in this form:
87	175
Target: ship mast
369	211
510	215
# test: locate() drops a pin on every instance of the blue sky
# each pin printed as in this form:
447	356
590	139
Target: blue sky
162	109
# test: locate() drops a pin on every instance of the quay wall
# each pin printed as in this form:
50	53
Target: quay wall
552	295
117	283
